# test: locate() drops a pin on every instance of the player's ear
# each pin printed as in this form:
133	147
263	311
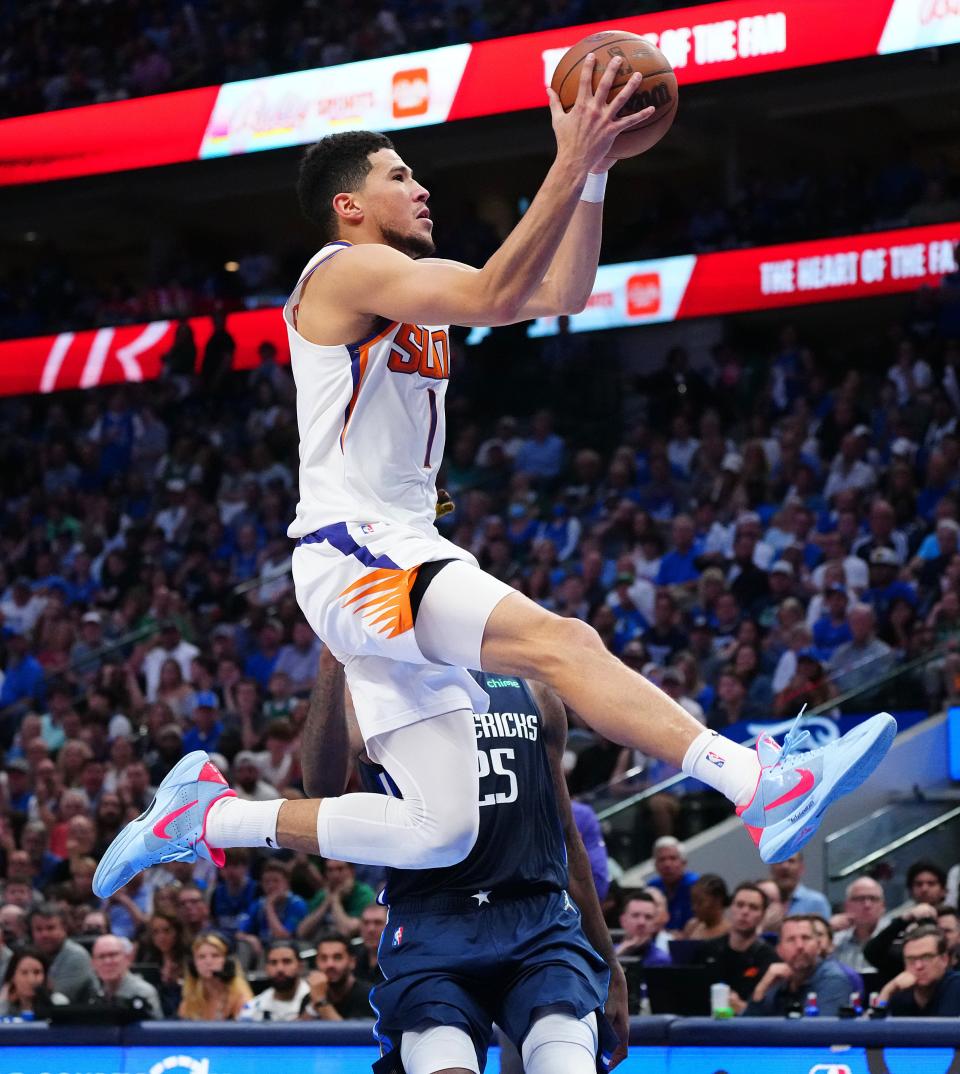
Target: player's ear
346	206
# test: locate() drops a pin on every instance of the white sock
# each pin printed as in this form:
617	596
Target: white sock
723	764
234	822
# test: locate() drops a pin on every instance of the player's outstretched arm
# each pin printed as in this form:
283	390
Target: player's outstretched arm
371	279
583	891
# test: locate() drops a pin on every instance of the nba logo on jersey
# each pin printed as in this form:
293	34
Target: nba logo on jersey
367	527
398	937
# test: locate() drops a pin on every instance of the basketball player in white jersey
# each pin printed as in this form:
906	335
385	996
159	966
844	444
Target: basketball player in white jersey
405	610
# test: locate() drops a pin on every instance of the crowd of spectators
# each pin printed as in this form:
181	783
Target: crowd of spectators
61	56
775	941
753	533
197	277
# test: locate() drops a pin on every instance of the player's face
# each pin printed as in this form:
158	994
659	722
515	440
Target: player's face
397	204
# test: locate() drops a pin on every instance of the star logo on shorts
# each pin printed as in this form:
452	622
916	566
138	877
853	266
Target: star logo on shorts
482	897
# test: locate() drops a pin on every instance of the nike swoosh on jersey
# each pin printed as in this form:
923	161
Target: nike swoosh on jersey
160	828
804	784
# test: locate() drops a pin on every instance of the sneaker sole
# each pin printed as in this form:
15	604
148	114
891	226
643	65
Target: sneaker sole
793	838
116	852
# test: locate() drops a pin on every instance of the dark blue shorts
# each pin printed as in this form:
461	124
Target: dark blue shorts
475	965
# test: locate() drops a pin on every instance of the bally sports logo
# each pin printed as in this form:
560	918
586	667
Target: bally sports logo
643	294
411	93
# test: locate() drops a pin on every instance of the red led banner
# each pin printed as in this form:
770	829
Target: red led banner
730	39
629	294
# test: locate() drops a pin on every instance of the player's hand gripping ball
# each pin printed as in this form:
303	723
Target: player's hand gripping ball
658	88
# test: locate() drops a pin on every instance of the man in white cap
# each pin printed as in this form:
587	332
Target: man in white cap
247	781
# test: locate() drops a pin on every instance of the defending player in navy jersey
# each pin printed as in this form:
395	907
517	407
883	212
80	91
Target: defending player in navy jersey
514	933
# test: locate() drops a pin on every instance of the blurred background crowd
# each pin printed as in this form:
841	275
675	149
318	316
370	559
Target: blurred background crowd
758	513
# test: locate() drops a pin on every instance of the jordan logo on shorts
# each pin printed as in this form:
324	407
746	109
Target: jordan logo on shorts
385	596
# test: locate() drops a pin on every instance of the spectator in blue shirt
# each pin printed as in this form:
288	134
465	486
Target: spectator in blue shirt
678	566
629	620
207	729
277	915
23	682
263	658
796	897
19	792
937	484
235	896
832	629
639	920
885	586
674	880
590	832
541	454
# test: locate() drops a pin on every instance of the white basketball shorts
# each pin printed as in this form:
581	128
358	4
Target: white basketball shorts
353	583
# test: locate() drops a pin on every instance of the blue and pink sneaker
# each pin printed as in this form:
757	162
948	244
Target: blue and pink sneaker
797	784
172	828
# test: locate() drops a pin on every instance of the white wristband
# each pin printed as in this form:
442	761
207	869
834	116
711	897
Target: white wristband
594	187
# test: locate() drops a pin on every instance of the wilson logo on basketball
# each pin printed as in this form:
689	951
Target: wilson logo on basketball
411	92
643	294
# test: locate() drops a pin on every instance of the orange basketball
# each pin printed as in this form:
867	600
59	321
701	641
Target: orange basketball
658	88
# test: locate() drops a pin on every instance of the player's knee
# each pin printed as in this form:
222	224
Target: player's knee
564	644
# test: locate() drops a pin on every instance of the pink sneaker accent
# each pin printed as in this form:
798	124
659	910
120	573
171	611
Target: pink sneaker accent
217	856
211	774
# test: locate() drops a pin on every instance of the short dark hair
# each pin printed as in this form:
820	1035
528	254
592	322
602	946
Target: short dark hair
638	895
276	945
926	866
946	910
747	886
714	886
340	162
274	865
335	937
48	910
820	920
922	932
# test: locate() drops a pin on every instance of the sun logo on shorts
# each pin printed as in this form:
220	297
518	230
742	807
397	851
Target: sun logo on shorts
385	594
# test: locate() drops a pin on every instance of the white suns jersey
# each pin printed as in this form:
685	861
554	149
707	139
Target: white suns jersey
371	421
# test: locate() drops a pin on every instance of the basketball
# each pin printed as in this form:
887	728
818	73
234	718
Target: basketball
658	88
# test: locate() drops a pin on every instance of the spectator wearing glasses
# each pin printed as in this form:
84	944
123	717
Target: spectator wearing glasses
863	910
115	984
927	987
926	882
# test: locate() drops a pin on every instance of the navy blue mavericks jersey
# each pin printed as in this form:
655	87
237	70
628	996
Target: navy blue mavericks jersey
521	840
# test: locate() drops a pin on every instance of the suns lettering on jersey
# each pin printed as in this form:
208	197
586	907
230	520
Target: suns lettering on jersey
416	349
